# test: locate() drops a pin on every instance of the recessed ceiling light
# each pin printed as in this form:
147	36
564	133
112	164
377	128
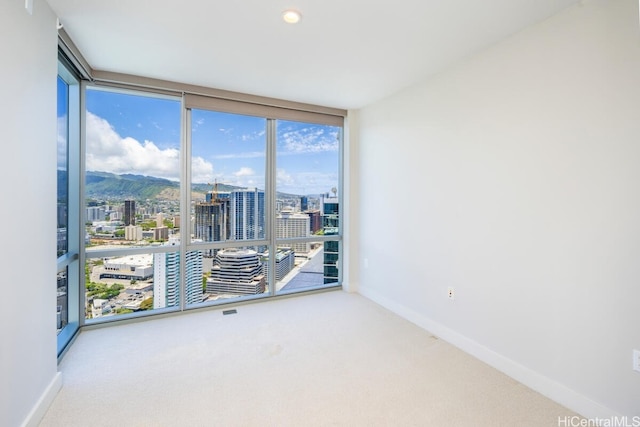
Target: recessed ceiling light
291	16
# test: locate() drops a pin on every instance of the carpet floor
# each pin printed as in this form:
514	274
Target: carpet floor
325	359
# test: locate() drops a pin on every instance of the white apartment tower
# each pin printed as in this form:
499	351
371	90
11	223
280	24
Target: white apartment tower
294	224
247	214
166	277
133	232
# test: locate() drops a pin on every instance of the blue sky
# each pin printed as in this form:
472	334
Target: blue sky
141	135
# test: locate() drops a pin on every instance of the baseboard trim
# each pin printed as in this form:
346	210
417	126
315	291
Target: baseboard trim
41	407
555	391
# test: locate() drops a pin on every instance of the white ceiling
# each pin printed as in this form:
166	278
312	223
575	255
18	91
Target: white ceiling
343	53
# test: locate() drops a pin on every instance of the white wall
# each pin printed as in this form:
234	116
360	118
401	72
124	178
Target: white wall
351	228
28	377
514	177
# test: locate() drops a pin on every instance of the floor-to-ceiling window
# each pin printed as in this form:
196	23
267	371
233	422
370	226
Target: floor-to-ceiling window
274	179
308	187
67	212
191	201
132	203
228	173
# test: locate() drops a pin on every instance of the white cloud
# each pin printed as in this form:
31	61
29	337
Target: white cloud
244	171
107	151
247	177
201	171
247	155
252	136
283	178
196	124
309	140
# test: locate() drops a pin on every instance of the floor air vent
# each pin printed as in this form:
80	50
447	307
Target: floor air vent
225	312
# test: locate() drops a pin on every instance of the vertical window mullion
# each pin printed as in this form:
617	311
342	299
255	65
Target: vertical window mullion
185	197
271	204
342	206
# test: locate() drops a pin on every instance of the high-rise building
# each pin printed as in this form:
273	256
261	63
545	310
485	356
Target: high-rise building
129	212
95	213
193	277
315	220
166	280
330	225
247	214
161	233
285	262
61	241
237	272
212	219
166	277
133	232
304	203
62	215
62	300
293	224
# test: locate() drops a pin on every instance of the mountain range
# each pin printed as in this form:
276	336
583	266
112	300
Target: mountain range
109	186
104	185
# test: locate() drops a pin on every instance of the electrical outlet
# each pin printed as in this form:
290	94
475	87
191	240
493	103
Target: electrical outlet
636	360
450	293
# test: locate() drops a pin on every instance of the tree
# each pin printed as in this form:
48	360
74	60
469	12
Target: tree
146	304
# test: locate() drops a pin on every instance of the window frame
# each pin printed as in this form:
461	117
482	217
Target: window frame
70	260
135	250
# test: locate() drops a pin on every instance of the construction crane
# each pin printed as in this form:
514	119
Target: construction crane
214	191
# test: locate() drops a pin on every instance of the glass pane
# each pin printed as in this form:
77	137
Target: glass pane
67	210
307	185
62	161
62	298
228	177
133	283
306	271
132	170
62	306
233	272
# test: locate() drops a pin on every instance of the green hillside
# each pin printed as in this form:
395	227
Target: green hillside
109	186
